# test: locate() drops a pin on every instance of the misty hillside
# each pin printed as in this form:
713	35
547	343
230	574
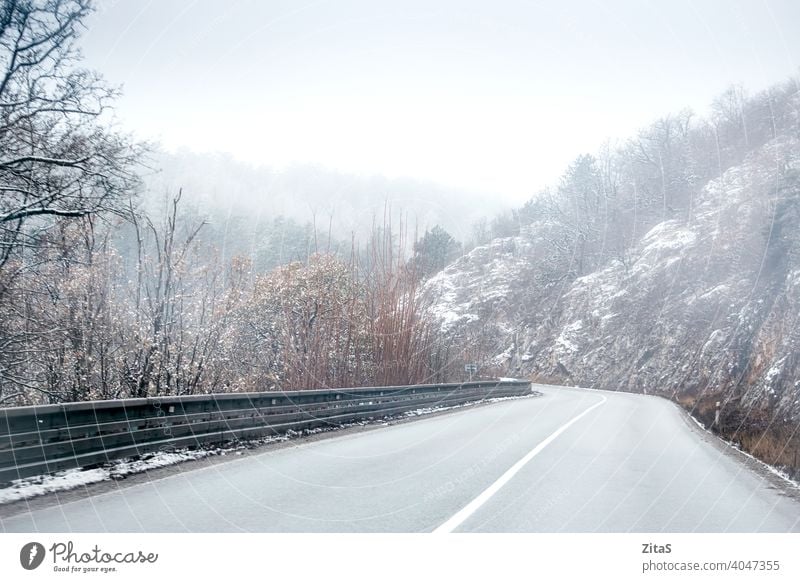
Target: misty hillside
345	204
692	294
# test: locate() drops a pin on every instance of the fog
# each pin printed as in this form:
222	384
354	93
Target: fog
492	98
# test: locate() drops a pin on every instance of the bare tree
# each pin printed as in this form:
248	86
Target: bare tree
60	161
57	157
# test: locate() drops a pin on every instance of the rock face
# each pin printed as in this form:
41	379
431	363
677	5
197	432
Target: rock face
704	308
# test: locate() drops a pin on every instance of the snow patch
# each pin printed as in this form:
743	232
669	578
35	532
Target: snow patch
432	409
73	478
774	371
566	340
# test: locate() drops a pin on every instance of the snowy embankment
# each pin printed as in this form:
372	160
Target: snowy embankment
700	302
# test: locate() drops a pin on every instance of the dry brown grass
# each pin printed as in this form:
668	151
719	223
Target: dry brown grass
778	446
769	439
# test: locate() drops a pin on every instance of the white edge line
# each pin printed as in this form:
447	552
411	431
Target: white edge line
459	518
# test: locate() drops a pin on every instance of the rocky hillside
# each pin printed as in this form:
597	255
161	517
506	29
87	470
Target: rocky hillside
703	307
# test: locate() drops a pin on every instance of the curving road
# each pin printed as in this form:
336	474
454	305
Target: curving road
570	460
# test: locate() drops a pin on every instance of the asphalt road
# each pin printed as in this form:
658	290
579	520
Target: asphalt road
570	460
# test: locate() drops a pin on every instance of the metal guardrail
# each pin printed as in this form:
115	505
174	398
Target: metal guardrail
36	440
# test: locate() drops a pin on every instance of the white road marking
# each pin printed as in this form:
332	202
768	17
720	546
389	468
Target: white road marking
460	517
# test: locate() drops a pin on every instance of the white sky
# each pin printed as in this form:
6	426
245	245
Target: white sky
492	96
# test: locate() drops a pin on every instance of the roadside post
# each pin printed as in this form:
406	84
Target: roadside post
470	369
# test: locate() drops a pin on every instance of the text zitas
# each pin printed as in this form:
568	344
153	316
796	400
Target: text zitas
656	549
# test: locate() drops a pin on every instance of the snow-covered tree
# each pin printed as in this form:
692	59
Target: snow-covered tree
58	159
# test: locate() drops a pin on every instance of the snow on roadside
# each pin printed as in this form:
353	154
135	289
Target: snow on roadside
432	409
72	478
29	487
42	484
771	468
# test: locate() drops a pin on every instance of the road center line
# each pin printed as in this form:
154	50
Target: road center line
459	518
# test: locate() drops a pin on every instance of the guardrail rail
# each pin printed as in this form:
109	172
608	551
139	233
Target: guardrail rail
36	440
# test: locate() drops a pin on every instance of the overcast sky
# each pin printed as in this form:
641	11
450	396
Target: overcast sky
494	96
